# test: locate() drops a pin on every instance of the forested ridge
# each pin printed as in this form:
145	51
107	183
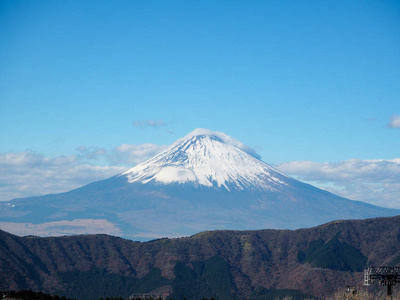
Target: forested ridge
217	264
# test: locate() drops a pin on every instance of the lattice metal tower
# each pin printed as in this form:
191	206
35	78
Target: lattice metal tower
388	276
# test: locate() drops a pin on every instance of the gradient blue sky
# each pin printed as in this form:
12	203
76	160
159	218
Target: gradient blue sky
312	86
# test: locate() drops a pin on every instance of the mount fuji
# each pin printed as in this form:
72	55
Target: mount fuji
204	181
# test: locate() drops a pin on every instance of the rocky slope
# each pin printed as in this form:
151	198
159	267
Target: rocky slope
223	264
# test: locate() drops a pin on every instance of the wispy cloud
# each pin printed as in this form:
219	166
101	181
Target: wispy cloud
394	121
373	181
127	155
90	154
143	124
226	138
134	154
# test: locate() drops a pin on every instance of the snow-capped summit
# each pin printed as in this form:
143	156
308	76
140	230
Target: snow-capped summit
211	159
204	181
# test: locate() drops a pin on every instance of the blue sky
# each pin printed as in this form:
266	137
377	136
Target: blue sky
89	88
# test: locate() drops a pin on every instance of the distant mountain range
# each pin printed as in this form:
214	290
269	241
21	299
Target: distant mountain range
204	181
254	265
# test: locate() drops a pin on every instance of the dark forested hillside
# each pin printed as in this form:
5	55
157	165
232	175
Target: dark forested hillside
219	264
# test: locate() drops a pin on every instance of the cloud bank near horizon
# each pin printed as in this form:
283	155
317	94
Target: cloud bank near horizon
29	173
373	181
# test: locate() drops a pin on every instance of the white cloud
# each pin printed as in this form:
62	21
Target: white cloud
126	155
394	122
134	154
226	138
373	181
29	173
90	154
143	124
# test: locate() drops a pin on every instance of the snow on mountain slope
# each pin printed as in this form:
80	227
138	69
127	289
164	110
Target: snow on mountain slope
204	181
210	159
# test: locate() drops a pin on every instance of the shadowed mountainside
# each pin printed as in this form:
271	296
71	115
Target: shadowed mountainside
221	264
